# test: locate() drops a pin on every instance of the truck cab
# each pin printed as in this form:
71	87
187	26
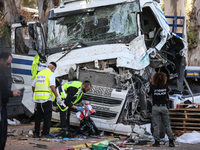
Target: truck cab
117	45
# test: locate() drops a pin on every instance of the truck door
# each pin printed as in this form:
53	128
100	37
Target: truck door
27	42
24	50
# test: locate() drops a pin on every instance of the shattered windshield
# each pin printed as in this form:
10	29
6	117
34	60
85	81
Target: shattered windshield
105	23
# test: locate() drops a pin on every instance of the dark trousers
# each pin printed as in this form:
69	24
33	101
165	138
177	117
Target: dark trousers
65	118
43	111
3	128
163	113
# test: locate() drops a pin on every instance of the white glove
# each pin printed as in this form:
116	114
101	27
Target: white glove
58	99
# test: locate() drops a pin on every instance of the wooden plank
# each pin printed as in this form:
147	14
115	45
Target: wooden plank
176	113
179	127
186	119
186	123
188	104
182	109
183	106
182	132
178	132
197	114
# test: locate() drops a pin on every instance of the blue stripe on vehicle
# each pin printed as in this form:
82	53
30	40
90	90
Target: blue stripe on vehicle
178	36
165	21
21	71
163	17
42	66
161	11
22	61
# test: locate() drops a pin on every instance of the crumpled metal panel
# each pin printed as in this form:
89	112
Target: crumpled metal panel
134	55
139	59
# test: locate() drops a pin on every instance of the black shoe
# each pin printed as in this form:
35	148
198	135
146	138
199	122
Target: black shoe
156	144
171	143
65	129
47	136
36	135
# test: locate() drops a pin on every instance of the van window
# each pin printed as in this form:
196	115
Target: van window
26	45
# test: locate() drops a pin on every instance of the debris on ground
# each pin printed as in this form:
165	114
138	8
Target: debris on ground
15	132
30	132
41	146
14	122
100	145
190	138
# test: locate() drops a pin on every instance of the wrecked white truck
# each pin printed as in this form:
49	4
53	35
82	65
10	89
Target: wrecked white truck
117	45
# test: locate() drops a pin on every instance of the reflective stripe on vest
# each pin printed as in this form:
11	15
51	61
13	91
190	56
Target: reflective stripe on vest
34	66
62	88
61	108
42	88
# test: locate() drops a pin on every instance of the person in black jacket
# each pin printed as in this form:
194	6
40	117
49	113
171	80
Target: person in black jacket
5	62
71	92
159	91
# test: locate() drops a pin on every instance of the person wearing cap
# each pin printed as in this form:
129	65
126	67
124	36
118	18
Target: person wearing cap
44	93
71	93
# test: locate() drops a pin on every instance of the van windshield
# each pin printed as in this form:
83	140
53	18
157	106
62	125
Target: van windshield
105	23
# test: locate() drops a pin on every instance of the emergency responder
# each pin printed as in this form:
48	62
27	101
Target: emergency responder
159	91
71	93
5	93
44	93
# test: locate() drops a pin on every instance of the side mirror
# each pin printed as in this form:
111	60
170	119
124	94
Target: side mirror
21	19
157	1
32	36
36	35
31	31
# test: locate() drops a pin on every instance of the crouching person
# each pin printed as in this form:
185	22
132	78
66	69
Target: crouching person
71	93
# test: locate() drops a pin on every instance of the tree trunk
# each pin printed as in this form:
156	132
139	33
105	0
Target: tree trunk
9	9
44	7
18	3
194	51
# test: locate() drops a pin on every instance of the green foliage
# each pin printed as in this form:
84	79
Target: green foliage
4	28
192	37
5	32
29	3
189	8
192	32
163	8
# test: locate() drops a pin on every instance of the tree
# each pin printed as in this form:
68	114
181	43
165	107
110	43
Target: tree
194	35
9	10
29	3
44	7
18	3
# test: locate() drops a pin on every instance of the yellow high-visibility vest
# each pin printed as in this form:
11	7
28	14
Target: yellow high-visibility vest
42	87
61	90
34	66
